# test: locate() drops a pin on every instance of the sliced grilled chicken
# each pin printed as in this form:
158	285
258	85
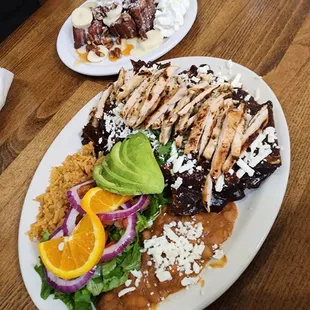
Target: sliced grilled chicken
157	123
151	101
105	95
256	123
215	105
204	83
198	126
118	84
172	84
128	75
206	93
181	104
236	145
178	141
207	192
167	102
181	124
134	112
165	133
230	124
237	142
190	121
210	148
166	128
134	98
129	87
138	92
205	121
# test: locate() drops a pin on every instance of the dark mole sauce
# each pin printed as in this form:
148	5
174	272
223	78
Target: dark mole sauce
218	227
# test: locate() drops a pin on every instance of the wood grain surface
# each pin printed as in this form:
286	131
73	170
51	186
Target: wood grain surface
270	37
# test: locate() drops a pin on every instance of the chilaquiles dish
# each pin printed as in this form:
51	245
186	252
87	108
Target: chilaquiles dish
149	200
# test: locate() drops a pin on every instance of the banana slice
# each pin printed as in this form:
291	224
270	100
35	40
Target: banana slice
82	17
154	38
93	57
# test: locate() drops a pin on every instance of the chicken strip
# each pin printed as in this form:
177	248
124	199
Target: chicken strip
205	121
105	95
236	145
138	92
206	93
173	116
151	101
210	148
178	141
256	123
230	124
207	192
118	84
168	101
216	104
129	87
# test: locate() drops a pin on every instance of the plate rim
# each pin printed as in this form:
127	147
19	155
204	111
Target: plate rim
158	52
238	272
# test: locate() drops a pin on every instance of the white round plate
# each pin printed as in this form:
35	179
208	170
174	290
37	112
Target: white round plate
257	212
68	55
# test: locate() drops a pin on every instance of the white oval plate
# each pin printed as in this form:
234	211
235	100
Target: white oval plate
68	55
257	212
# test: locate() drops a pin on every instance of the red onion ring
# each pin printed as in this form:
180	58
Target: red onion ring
58	233
69	221
115	249
67	286
142	202
73	196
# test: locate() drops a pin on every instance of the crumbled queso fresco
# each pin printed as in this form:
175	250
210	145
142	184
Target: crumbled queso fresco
180	164
174	248
117	129
180	245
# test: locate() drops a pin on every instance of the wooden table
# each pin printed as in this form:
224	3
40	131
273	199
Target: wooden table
270	37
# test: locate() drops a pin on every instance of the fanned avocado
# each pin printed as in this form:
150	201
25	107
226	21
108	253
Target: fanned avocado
106	180
101	181
130	168
136	153
117	166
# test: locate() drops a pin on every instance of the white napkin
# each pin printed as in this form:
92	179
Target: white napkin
6	78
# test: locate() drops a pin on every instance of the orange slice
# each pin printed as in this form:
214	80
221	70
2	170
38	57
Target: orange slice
70	257
101	201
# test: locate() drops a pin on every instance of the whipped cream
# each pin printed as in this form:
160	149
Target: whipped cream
169	16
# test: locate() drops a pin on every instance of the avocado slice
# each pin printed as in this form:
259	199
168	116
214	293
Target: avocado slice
103	178
136	153
117	166
102	181
123	185
130	168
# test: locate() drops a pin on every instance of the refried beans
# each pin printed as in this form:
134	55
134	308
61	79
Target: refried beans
217	227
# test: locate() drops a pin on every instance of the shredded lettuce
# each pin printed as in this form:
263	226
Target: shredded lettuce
115	272
162	153
82	300
46	290
95	286
45	236
147	217
67	299
114	233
